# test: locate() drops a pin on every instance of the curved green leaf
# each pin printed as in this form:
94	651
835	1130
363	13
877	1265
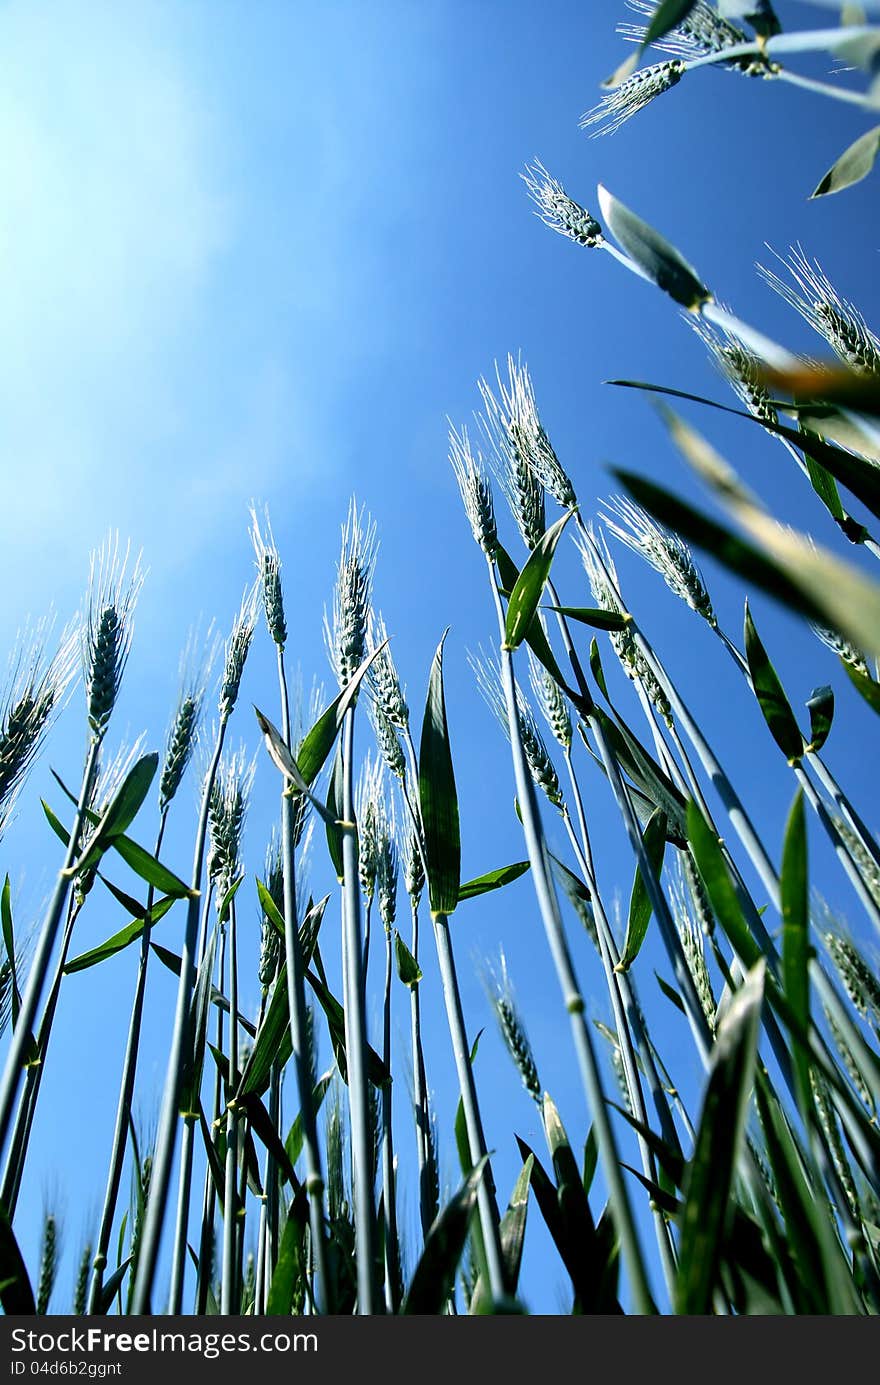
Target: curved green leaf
865	685
9	945
708	1202
660	260
821	709
111	1286
646	774
408	968
149	869
640	907
810	580
121	811
312	754
715	875
334	814
294	1142
438	798
194	1059
530	583
118	941
854	164
377	1071
856	473
587	1257
594	616
596	667
290	1267
771	695
492	880
536	636
434	1275
513	1233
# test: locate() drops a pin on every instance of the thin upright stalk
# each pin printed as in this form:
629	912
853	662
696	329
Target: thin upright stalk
389	1191
126	1094
184	1194
841	850
420	1091
356	1038
27	1105
261	1261
166	1139
298	1031
273	1186
230	1292
847	809
622	1017
187	1152
421	1102
21	1037
834	790
486	1198
209	1192
486	1202
610	956
739	818
671	940
571	994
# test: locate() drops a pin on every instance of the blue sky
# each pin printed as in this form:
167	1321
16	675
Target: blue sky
260	252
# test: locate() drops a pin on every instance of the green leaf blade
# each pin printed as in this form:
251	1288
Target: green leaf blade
523	603
492	880
640	907
771	696
854	164
717	1147
438	797
654	255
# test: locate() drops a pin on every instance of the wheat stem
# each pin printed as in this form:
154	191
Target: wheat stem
298	1030
21	1037
571	994
166	1138
126	1093
356	1037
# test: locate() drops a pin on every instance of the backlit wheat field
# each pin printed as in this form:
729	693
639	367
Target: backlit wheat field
439	868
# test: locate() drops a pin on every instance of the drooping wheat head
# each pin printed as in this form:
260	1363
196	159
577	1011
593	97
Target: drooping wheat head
663	550
831	315
559	211
740	368
632	95
35	691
